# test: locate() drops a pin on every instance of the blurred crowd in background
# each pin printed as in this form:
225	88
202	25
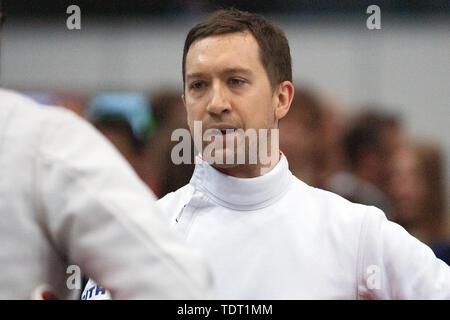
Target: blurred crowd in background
364	156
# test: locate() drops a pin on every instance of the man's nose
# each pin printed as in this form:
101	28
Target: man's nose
219	103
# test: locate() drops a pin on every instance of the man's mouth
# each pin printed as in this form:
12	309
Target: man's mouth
221	130
222	135
227	131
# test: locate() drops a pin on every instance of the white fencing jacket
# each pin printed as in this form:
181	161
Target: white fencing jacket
274	237
68	197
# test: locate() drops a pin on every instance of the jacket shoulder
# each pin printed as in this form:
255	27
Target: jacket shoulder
334	207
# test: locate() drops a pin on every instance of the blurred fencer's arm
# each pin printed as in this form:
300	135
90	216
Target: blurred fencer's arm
104	219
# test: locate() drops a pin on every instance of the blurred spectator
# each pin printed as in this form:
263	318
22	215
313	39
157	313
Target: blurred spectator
311	137
300	135
141	130
126	120
331	159
367	145
170	114
418	195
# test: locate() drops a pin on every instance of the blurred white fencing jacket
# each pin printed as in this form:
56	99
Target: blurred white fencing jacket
68	197
274	237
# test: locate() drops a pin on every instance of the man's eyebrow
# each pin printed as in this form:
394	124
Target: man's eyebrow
195	75
237	70
224	71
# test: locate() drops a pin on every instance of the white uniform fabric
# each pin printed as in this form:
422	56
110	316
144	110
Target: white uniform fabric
274	237
68	197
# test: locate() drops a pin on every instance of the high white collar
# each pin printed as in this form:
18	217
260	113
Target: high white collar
242	193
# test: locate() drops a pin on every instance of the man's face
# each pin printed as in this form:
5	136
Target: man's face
227	87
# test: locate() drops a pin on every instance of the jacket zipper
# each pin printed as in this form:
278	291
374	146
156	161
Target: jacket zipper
179	215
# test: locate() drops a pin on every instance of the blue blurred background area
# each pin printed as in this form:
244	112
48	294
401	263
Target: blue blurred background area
370	118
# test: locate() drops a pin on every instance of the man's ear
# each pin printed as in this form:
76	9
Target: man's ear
284	95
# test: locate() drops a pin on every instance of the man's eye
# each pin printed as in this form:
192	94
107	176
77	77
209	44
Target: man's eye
197	85
236	82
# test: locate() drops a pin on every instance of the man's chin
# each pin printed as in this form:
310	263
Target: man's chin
218	158
224	165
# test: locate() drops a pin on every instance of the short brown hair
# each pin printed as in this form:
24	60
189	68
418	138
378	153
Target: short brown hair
273	45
